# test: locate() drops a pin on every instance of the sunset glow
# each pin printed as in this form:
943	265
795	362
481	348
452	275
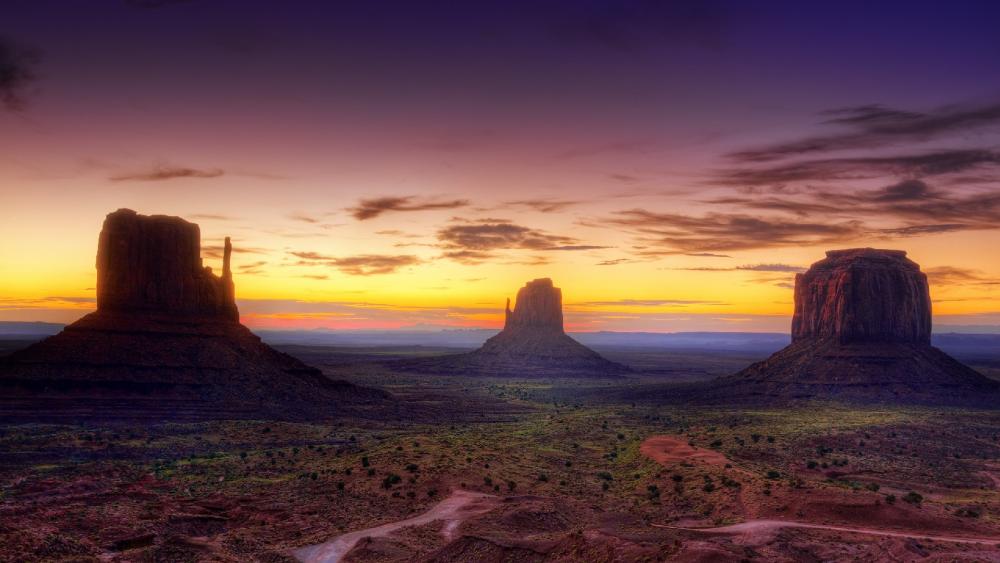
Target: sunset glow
420	179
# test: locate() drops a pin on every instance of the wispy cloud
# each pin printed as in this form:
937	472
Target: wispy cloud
360	265
876	126
476	241
545	205
371	208
161	172
952	275
715	232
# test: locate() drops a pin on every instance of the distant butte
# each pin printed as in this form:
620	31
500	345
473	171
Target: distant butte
861	332
532	343
165	343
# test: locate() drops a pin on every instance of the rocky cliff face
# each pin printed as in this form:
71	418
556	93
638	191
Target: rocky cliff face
863	295
538	305
153	264
860	333
164	344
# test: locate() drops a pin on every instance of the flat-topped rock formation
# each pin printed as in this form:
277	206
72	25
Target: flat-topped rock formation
863	295
164	343
153	264
531	344
860	332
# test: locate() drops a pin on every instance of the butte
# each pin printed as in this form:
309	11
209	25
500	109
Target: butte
164	344
532	343
861	332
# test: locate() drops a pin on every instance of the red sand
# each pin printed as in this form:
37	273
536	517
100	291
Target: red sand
675	449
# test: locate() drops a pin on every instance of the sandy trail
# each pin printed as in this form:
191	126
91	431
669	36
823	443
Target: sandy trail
753	531
455	509
674	449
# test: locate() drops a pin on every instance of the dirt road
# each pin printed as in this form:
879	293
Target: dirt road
757	531
453	510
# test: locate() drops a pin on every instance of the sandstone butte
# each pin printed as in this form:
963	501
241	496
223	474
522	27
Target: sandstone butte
164	343
532	343
861	331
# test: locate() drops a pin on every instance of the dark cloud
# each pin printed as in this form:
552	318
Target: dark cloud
371	208
17	72
780	268
361	265
544	205
614	262
707	255
874	126
478	241
714	232
934	163
952	275
308	255
921	208
164	172
373	264
303	217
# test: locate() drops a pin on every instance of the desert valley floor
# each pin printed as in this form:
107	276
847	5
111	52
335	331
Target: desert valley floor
514	470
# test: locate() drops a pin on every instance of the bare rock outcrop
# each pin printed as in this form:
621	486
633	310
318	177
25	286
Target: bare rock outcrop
863	295
153	264
165	343
860	333
538	306
531	344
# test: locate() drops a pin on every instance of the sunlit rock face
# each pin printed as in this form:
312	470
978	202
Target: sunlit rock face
860	333
165	343
153	264
863	295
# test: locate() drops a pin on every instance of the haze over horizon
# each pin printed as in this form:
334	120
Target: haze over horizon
670	166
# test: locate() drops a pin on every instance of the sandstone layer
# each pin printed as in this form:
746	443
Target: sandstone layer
165	343
860	333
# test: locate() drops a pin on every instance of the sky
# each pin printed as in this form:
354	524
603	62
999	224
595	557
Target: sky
379	165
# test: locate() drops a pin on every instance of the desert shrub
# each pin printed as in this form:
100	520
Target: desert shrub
773	474
340	485
543	478
653	492
605	486
412	467
677	478
365	462
716	444
371	471
890	499
811	464
604	475
770	439
511	485
874	487
755	438
709	487
913	497
390	480
488	481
